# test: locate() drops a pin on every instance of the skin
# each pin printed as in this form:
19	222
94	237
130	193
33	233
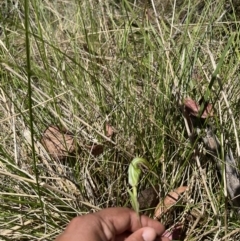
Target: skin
113	224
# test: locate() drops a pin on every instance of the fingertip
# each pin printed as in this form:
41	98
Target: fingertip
149	234
157	226
143	234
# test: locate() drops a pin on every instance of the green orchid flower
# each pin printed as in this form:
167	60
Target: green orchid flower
134	172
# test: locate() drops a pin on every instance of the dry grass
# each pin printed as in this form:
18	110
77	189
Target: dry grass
98	62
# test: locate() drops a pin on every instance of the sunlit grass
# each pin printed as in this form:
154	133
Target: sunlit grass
89	63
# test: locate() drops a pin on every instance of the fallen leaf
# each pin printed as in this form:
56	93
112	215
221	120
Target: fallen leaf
174	233
193	108
109	130
95	149
191	105
208	111
169	201
148	198
59	143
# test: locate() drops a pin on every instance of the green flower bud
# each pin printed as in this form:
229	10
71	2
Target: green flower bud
133	178
134	171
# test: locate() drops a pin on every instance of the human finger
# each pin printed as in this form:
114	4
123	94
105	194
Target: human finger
108	224
145	234
120	220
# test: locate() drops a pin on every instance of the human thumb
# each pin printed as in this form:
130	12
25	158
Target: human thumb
143	234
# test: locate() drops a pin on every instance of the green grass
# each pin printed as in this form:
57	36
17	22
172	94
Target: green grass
83	64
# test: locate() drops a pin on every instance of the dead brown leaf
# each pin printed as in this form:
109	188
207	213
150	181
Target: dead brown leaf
148	198
175	233
109	130
193	108
59	143
191	105
169	201
95	149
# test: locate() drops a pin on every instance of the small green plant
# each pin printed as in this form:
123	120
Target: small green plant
134	172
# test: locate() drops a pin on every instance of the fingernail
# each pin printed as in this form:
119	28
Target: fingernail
149	234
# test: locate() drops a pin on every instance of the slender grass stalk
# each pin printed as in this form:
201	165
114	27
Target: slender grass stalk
30	105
